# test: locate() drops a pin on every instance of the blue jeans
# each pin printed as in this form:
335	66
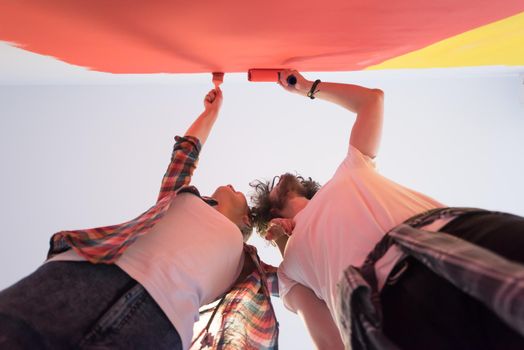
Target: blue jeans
79	305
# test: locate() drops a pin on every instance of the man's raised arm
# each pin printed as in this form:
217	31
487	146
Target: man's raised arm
202	126
368	104
186	150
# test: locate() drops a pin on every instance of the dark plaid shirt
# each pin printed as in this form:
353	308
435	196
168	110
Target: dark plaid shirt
486	276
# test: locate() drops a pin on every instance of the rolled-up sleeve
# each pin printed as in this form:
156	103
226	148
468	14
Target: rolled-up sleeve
184	161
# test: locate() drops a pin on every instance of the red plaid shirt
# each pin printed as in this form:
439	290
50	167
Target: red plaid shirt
250	297
246	319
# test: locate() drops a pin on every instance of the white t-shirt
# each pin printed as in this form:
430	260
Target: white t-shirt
190	257
342	224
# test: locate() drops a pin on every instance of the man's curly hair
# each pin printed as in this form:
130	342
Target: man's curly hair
262	207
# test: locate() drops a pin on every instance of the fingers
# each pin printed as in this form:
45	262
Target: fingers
284	74
299	80
288	226
210	97
280	227
282	77
274	232
213	94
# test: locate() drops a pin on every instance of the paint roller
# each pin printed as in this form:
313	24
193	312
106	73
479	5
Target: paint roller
271	75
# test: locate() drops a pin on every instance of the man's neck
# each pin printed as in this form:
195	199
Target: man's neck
295	206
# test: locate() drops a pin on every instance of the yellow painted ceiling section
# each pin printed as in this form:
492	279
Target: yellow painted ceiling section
498	43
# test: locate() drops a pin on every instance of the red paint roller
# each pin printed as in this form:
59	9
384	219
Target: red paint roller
268	75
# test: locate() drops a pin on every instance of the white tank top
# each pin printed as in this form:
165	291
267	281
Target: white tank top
189	258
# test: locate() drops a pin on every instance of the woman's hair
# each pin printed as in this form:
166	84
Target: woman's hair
262	212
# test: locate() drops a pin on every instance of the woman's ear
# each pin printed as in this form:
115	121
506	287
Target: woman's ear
246	220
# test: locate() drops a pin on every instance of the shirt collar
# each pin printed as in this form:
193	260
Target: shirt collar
192	189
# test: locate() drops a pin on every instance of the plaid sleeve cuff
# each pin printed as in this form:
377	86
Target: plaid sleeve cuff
191	139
